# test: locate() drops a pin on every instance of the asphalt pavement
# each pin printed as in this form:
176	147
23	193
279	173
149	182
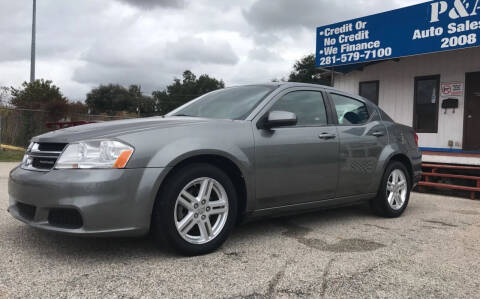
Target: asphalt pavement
432	251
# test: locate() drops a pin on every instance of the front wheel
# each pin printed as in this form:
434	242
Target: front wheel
394	193
195	210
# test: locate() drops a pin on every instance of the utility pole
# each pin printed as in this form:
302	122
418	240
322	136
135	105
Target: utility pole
34	23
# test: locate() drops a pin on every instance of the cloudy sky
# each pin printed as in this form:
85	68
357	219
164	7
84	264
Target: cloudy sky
84	43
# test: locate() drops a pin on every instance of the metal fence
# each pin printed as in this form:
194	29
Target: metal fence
18	126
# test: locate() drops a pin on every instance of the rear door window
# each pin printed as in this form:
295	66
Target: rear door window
349	111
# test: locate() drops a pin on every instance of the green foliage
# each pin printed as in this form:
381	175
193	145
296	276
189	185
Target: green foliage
10	156
40	95
38	102
114	98
183	91
109	99
164	102
77	110
305	71
143	105
41	101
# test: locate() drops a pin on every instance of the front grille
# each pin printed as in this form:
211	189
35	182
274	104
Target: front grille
43	163
51	147
42	156
26	211
65	218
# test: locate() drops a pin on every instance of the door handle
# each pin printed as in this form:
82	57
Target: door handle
378	134
327	136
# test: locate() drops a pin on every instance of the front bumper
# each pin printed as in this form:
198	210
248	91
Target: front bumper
85	202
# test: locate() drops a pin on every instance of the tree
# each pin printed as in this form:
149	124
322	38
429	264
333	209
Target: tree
144	105
40	95
4	96
108	99
277	80
114	98
305	71
163	101
39	102
183	91
77	110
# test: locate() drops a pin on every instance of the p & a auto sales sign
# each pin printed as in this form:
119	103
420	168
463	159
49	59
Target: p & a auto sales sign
424	28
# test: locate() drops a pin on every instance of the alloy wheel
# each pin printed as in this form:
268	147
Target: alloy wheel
397	189
201	210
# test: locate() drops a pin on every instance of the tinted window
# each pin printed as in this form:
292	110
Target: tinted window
426	104
370	90
229	103
350	111
308	106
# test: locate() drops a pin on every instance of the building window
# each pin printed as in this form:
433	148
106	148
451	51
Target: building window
425	111
370	90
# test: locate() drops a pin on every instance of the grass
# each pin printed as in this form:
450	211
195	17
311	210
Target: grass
10	155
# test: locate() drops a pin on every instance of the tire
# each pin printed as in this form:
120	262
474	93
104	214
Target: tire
397	205
181	222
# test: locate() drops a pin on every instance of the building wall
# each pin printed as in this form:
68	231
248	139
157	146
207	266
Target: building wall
396	95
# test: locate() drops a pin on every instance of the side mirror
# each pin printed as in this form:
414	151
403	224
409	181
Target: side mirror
279	119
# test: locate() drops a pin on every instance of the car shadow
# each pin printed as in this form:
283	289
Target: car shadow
318	218
121	249
49	243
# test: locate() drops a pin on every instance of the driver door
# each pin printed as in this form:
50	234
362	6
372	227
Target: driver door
297	164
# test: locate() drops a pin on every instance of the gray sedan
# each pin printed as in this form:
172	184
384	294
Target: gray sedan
236	153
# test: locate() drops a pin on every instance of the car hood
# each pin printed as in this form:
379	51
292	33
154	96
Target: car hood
112	129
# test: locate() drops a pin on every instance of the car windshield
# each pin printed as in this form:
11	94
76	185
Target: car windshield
230	103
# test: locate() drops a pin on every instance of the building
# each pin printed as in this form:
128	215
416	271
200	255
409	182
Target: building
421	64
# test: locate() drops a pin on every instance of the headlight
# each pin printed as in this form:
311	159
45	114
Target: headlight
95	154
26	161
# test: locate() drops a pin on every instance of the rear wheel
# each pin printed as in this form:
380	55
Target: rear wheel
196	209
394	194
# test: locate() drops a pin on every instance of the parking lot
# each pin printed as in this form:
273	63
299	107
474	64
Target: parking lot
432	251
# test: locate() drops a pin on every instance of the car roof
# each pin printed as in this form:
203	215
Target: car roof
286	85
291	84
299	84
329	88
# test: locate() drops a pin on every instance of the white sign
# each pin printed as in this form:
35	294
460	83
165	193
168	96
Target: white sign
452	89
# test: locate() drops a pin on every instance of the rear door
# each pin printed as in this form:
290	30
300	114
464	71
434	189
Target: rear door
297	164
362	137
